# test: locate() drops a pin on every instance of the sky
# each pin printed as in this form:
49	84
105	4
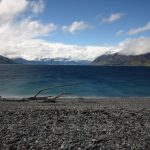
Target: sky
73	29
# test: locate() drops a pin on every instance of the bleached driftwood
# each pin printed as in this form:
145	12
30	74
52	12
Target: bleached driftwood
50	99
53	99
52	87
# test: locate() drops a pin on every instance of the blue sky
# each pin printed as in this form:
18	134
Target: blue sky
65	12
73	29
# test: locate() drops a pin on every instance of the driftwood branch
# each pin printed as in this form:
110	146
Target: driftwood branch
48	99
52	87
53	99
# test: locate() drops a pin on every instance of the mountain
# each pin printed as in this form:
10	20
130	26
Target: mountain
122	60
5	60
108	59
56	61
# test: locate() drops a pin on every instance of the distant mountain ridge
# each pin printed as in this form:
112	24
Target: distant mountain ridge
56	61
5	60
108	59
60	61
122	60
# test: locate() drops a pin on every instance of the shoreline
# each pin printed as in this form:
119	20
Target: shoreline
80	97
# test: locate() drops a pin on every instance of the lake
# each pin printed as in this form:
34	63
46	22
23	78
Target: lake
93	81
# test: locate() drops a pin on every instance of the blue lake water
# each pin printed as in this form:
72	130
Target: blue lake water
94	81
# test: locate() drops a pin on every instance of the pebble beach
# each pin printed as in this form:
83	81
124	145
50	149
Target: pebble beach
76	124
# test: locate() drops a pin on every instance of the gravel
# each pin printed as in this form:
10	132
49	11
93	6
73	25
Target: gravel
76	125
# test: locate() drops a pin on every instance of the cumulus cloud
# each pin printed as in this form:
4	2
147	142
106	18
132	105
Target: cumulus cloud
10	9
75	27
14	33
34	28
26	29
112	18
134	46
139	30
32	49
37	6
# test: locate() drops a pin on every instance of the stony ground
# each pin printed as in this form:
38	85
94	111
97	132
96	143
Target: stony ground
74	125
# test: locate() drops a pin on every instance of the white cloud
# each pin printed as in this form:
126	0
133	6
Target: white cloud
75	27
35	28
112	18
139	30
120	32
37	6
27	28
32	49
10	9
134	46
